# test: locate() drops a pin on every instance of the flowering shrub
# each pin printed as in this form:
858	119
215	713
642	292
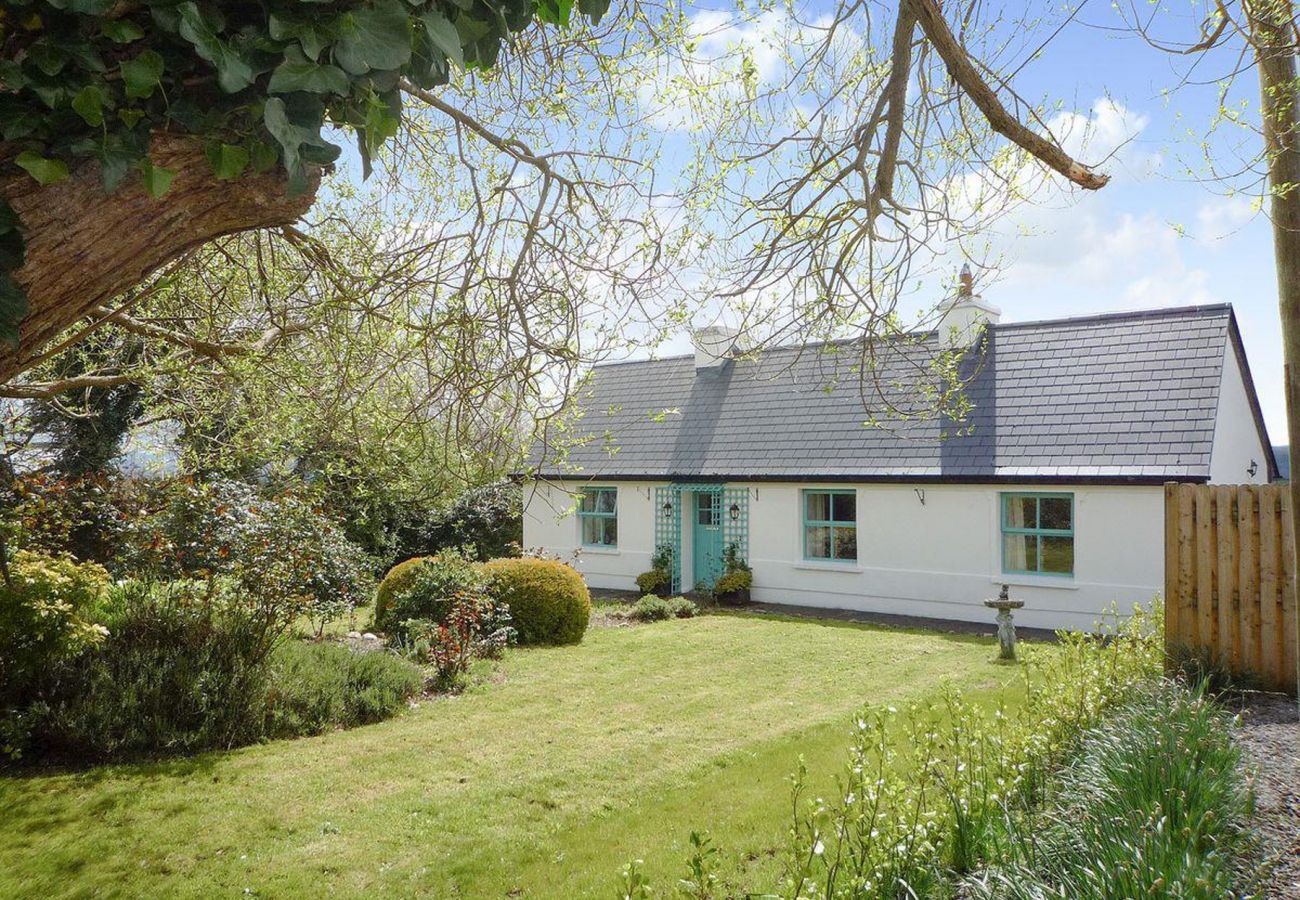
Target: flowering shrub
427	589
83	515
281	547
474	627
46	617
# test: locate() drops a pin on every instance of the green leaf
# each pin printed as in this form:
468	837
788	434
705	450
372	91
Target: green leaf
13	307
121	31
228	161
298	73
45	171
593	9
48	56
156	178
308	37
114	166
374	37
444	35
89	104
276	118
130	117
233	71
296	126
555	12
142	74
264	157
471	29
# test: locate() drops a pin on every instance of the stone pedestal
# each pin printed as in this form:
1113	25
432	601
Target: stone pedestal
1006	628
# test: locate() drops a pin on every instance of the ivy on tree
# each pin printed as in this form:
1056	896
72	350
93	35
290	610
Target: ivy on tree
256	80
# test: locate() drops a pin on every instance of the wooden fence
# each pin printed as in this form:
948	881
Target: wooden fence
1230	579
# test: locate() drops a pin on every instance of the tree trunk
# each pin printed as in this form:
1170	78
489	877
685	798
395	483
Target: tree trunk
1270	22
84	247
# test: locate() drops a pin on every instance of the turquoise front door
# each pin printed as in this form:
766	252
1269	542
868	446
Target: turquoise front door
707	538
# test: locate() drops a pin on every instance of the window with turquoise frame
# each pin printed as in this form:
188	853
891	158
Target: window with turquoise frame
830	525
598	517
1038	534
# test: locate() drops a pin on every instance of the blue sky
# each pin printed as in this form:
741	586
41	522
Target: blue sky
1138	256
1161	233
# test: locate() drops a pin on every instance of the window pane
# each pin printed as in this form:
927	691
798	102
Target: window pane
587	502
846	543
610	532
817	541
1058	555
706	511
1021	512
606	501
1054	512
1019	553
846	507
591	530
818	506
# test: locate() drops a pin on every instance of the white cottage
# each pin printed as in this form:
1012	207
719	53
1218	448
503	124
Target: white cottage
1054	485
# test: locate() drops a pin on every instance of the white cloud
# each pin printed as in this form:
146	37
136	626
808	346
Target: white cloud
1107	138
1222	218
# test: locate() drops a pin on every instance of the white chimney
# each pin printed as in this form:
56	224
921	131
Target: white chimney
966	314
714	345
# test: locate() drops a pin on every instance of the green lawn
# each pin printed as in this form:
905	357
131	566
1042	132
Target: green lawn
543	780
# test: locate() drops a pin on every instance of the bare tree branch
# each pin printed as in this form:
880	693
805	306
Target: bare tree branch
962	70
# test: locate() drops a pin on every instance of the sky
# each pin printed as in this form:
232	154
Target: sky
1160	234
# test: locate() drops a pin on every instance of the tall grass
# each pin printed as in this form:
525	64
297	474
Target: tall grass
1153	805
923	799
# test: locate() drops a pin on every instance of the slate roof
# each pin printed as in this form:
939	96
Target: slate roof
1123	397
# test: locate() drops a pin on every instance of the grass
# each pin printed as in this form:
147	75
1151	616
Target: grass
542	781
1155	804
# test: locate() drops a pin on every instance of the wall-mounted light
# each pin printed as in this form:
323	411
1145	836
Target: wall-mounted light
735	511
668	509
1252	468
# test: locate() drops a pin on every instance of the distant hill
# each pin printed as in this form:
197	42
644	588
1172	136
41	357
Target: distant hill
1283	457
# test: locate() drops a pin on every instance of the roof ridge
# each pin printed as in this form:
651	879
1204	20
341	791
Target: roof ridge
1137	314
1156	313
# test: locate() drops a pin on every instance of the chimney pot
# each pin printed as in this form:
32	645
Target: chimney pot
714	345
965	314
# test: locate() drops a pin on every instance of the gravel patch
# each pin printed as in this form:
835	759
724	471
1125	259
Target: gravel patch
1270	742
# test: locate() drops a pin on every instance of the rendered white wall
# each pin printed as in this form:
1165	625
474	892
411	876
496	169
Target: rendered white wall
938	559
1236	439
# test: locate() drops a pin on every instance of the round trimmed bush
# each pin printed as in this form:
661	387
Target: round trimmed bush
549	602
399	578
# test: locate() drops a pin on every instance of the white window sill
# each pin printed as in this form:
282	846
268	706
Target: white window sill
1060	584
602	551
810	566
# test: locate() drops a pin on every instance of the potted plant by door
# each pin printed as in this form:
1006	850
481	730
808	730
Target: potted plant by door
659	579
732	586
